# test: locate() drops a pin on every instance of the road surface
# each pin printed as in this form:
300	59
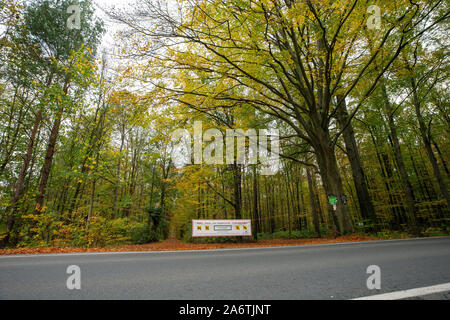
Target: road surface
328	271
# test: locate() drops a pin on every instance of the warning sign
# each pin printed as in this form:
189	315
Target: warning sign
221	228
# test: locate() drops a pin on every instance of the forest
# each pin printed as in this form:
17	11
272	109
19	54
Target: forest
358	91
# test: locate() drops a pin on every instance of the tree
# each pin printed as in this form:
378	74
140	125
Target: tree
60	55
287	59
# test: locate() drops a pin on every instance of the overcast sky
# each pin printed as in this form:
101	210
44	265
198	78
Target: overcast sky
110	26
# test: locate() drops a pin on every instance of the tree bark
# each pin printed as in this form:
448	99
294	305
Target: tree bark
359	178
237	191
407	187
331	179
46	167
312	198
119	162
427	143
20	184
255	204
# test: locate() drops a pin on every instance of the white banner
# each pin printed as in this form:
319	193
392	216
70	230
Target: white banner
221	228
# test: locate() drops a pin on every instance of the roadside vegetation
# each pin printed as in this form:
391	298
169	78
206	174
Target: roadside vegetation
362	113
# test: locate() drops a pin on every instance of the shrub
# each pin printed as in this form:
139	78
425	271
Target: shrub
436	232
389	234
140	233
295	234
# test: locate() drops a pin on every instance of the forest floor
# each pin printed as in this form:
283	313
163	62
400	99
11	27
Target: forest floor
174	244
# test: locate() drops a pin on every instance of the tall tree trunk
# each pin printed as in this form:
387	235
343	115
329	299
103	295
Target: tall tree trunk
46	167
20	184
255	204
119	162
407	187
426	139
237	191
359	178
383	175
438	150
331	179
91	205
312	198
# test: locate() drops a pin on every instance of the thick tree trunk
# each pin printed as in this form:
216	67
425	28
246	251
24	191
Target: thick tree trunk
331	180
46	167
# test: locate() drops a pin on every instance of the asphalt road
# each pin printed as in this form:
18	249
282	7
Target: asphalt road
334	271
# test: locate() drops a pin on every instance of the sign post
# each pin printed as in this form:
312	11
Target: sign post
333	201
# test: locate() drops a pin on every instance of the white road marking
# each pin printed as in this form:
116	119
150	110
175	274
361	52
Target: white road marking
408	293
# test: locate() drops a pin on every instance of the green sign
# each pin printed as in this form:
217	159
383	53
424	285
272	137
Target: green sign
332	200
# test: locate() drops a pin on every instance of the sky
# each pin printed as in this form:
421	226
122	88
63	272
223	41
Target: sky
110	26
